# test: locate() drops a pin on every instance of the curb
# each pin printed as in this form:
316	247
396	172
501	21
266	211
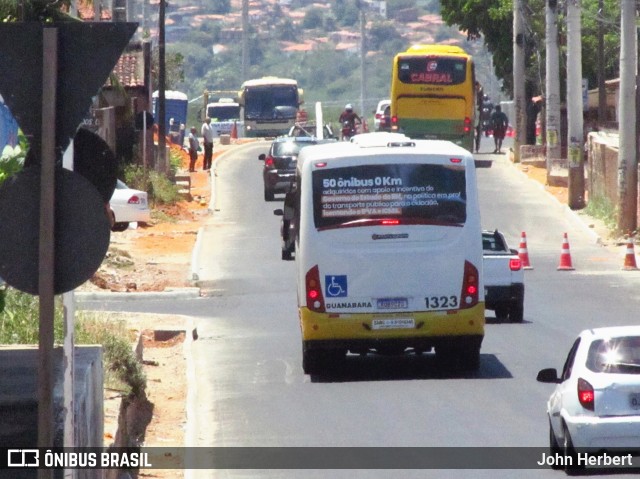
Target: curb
171	293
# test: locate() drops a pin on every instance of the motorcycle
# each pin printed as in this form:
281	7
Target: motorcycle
348	130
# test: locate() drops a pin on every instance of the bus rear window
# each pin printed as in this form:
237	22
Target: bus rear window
275	102
415	194
432	70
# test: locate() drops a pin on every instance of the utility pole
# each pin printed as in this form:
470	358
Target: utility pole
575	105
245	40
627	164
518	78
552	86
162	164
602	93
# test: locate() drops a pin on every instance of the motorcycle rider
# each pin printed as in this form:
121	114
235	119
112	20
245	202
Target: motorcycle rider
348	119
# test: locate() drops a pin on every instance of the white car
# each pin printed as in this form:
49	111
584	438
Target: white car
379	113
596	403
128	206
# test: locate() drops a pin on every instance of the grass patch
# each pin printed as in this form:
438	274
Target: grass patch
160	188
601	207
162	217
19	324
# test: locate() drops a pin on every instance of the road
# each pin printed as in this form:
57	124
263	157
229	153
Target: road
250	390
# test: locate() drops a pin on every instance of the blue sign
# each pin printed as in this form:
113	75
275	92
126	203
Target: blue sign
335	286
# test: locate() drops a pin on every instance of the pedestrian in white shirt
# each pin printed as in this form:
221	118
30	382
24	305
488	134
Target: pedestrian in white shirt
207	140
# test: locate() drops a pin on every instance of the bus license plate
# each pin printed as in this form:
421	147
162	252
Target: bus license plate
393	323
634	400
392	303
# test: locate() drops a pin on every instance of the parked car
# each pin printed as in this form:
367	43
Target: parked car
280	163
128	206
380	122
596	403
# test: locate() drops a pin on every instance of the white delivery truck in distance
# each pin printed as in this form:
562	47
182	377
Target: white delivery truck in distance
388	251
224	113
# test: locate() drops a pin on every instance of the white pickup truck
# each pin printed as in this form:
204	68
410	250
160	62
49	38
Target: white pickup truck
503	277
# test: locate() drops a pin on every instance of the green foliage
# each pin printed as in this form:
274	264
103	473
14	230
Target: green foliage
20	324
381	34
346	12
122	369
45	11
313	19
221	6
12	162
160	189
288	31
492	21
19	321
601	207
174	69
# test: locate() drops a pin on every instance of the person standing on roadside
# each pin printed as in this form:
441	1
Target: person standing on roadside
479	100
207	140
193	149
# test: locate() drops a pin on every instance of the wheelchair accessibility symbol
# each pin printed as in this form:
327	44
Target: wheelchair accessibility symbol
335	286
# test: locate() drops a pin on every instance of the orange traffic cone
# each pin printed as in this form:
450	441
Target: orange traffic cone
565	256
630	258
234	131
523	253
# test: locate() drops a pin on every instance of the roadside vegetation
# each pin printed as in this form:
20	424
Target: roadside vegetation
601	208
123	372
19	312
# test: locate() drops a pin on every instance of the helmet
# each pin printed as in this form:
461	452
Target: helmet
348	107
485	97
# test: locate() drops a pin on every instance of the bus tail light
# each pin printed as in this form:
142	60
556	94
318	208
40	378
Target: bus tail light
470	286
313	290
467	124
586	395
394	123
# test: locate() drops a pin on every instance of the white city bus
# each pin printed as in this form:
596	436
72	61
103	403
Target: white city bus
389	250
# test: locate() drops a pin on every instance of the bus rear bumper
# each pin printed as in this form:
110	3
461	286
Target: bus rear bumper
357	332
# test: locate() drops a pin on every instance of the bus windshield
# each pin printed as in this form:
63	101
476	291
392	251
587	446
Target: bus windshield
392	194
223	112
271	102
432	70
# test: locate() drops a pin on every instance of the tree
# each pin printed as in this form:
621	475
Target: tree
380	34
346	12
313	19
174	65
221	6
288	31
490	20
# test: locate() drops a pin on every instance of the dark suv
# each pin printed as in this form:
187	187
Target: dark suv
280	163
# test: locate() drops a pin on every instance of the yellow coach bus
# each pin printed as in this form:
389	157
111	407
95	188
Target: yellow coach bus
433	94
